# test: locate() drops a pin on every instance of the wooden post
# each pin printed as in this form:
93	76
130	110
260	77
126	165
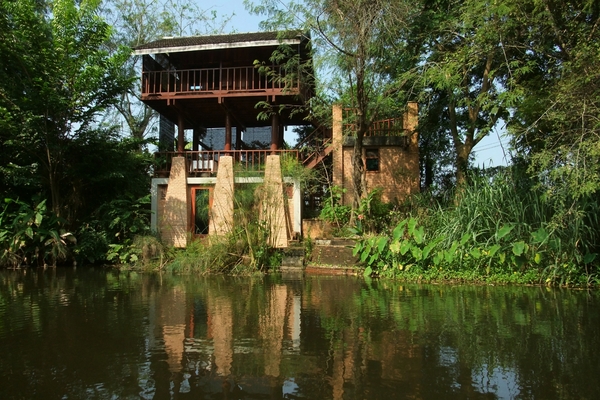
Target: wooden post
274	131
196	139
180	133
227	130
238	137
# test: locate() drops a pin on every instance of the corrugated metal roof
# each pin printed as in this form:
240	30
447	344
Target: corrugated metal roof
191	43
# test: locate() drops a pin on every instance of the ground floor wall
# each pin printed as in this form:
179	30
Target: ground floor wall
397	174
291	193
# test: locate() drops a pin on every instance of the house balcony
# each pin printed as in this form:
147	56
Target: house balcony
206	163
384	132
215	82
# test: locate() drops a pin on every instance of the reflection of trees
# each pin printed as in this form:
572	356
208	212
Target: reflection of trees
61	330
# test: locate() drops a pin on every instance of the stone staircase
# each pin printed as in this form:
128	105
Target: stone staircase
328	257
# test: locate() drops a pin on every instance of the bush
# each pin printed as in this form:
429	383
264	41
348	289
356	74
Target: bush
496	228
32	235
332	211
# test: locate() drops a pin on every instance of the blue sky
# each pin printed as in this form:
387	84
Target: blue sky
488	152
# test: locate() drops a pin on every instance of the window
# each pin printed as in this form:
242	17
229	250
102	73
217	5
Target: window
372	158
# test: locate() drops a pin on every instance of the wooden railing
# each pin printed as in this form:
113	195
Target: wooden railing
383	127
212	81
206	163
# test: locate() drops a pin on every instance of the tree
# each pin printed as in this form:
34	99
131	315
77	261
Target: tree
57	77
556	127
136	22
466	50
351	40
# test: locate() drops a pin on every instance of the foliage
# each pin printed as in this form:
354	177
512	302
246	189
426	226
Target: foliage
373	215
31	235
142	21
114	230
496	228
351	40
292	168
556	127
55	79
333	211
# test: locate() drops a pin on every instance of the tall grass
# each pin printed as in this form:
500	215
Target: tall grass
505	224
484	207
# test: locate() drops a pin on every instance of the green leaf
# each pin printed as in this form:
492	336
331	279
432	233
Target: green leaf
505	230
399	230
381	243
540	236
417	253
494	249
412	223
363	256
589	257
475	253
368	271
38	219
395	247
465	238
502	257
449	256
519	248
404	247
419	235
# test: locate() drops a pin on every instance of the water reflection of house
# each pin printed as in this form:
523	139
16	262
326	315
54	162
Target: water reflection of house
212	346
209	86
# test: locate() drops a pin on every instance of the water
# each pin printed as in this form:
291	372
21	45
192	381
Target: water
97	334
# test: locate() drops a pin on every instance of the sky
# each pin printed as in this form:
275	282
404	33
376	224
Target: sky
492	151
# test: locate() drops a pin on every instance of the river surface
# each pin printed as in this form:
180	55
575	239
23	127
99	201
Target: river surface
103	334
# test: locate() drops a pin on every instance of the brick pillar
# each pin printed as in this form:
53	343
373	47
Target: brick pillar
221	212
337	139
272	210
174	221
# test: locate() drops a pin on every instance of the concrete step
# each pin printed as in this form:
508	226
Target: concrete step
293	257
336	253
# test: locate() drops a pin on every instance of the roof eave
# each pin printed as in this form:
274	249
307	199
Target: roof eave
215	46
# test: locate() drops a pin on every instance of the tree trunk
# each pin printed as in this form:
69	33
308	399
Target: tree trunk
54	186
358	170
462	163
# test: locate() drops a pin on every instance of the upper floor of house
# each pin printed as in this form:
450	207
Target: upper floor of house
204	76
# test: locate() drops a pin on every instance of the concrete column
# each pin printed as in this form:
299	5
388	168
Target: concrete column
272	204
221	212
174	221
